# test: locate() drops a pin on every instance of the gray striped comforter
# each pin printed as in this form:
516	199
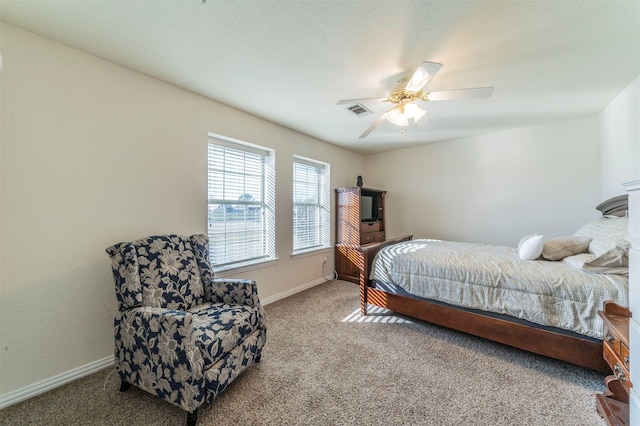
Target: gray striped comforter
494	278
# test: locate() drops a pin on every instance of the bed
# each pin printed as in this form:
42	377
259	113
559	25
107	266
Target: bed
543	301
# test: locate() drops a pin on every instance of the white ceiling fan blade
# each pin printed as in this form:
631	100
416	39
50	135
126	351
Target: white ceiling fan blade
423	74
448	95
373	126
357	101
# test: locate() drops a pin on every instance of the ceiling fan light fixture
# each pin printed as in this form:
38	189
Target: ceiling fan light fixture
401	114
414	111
397	116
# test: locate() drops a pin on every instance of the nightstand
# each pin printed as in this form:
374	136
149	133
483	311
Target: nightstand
613	404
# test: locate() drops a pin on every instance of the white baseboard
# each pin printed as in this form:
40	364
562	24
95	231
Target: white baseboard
54	382
292	291
71	375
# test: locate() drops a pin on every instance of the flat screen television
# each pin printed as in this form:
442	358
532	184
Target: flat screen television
367	214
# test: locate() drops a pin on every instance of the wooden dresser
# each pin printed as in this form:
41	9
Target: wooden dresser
613	404
360	220
360	231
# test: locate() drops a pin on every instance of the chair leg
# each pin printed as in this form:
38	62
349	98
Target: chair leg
192	418
124	386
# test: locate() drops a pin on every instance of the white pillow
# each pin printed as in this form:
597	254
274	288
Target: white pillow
530	247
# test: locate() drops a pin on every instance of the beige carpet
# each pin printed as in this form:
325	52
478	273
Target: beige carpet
325	365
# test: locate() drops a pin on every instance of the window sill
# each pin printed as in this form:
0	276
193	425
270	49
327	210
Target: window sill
310	252
243	267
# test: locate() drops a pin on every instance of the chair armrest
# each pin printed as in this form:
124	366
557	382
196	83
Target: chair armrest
233	291
156	351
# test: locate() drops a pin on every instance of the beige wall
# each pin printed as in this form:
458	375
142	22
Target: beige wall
495	188
93	154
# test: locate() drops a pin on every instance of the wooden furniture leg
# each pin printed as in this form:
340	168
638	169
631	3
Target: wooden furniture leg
124	386
192	418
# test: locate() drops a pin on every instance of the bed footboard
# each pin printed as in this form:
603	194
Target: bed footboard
580	351
369	252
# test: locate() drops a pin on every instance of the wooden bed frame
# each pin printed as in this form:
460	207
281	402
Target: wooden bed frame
580	351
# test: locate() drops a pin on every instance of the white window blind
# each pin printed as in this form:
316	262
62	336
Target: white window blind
311	204
241	203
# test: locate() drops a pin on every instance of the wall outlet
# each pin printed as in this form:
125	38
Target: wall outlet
324	260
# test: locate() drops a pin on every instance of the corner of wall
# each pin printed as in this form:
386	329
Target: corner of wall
620	140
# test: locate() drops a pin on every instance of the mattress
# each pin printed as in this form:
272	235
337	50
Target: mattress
494	279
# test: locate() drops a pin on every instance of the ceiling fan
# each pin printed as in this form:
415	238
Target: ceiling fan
408	91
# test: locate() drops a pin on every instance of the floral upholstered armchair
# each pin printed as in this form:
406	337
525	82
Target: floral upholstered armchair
180	334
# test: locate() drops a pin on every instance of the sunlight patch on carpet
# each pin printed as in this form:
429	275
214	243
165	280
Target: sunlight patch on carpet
375	314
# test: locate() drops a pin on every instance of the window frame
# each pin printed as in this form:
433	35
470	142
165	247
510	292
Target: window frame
266	204
323	204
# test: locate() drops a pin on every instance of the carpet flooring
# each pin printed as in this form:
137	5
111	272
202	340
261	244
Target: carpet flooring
324	364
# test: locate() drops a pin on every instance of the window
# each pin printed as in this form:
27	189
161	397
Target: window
241	203
311	205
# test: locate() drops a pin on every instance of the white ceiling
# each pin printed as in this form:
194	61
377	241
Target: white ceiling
290	61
